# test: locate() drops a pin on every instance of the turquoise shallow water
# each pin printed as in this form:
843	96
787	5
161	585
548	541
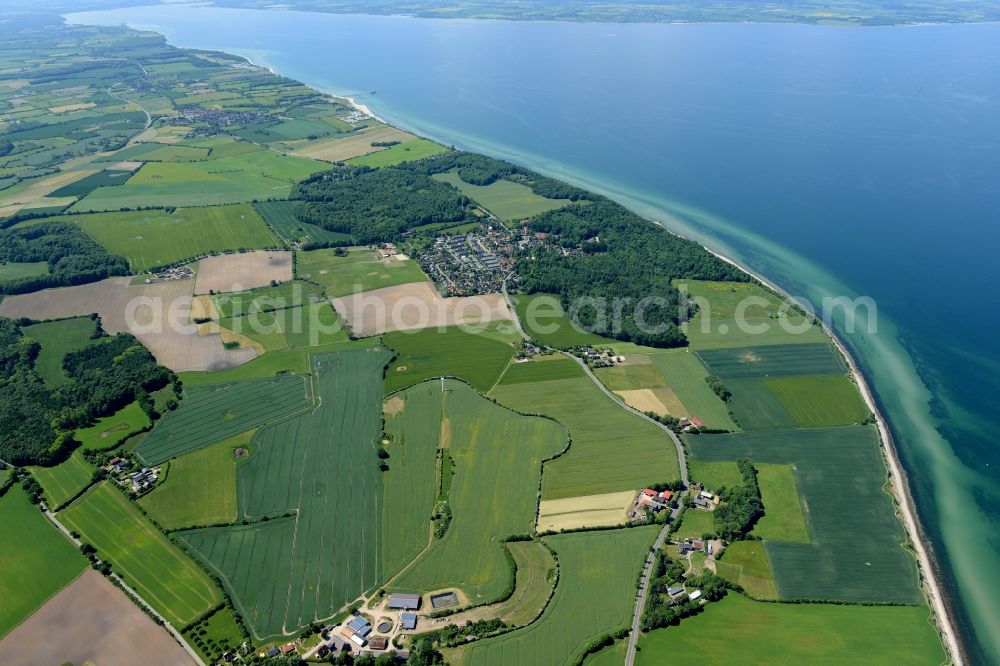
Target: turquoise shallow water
834	161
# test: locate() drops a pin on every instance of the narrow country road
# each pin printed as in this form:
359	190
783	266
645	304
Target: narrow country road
640	602
132	593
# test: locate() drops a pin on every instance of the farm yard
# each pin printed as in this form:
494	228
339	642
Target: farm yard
158	238
495	450
744	631
37	559
856	551
73	627
141	555
361	269
320	466
594	596
612	450
478	358
507	200
214	412
246	270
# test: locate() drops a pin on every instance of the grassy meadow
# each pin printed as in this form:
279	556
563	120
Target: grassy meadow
360	270
36	559
407	151
14	270
478	358
611	449
152	238
200	488
280	218
745	563
784	518
108	431
496	454
685	374
541	312
214	412
141	555
507	200
743	631
57	339
541	370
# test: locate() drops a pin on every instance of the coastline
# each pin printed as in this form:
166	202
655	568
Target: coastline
941	616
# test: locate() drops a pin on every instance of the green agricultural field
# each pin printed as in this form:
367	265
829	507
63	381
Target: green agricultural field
108	432
544	319
685	374
200	488
280	217
287	361
783	518
722	322
631	376
714	474
161	152
542	370
152	238
745	563
507	200
497	453
141	555
360	270
410	486
86	185
63	481
57	339
594	597
241	178
286	295
211	413
320	470
855	552
612	449
536	570
817	402
696	522
742	631
37	561
407	151
609	656
310	326
773	361
756	407
17	270
478	358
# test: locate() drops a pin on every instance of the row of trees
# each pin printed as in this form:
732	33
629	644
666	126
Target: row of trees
376	205
741	507
72	256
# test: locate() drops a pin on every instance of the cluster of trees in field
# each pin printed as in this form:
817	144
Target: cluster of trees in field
37	420
376	205
741	507
666	572
618	255
481	170
73	257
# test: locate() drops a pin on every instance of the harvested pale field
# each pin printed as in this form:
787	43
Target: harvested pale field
661	400
413	306
587	511
125	166
636	359
238	272
91	621
355	145
37	188
158	314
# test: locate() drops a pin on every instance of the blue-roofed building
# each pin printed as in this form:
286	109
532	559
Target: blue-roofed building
403	602
360	626
408	620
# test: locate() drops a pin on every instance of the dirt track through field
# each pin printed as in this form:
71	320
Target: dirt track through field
155	313
91	621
